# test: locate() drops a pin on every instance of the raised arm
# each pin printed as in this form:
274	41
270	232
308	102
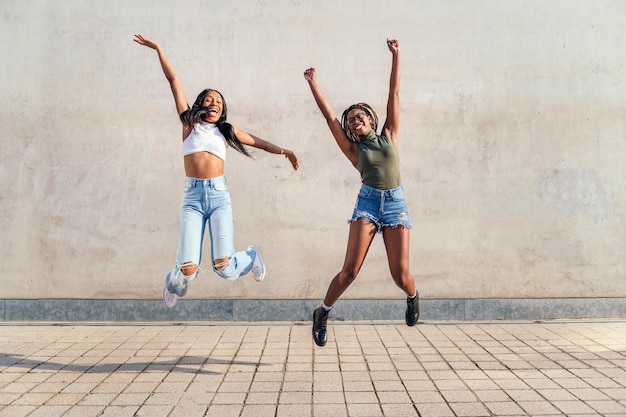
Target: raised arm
254	141
392	124
177	90
345	144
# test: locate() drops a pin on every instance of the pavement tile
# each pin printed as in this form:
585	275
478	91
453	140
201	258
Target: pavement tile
504	408
288	386
364	410
614	393
17	411
33	399
491	395
395	385
65	399
220	410
523	395
458	395
384	376
539	408
335	410
258	410
434	410
83	411
50	411
336	397
161	398
119	411
473	409
295	397
268	376
573	407
262	397
234	387
399	410
607	407
358	386
229	398
323	367
354	367
151	411
361	397
293	410
300	376
481	384
393	397
265	386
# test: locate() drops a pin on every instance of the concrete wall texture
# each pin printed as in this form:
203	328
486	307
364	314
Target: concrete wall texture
512	146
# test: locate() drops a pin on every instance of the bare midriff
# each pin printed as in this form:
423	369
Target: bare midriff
203	165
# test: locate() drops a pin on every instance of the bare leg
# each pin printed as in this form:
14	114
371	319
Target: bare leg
397	245
359	240
397	241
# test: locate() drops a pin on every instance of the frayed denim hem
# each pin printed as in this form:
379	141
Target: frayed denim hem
364	215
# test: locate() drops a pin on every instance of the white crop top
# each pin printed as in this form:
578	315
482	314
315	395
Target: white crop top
205	137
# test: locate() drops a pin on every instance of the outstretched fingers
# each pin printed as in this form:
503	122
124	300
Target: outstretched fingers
144	41
293	159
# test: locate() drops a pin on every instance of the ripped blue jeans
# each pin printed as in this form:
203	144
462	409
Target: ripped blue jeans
207	202
384	208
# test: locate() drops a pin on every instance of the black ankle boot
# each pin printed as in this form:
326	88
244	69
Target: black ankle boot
412	310
320	316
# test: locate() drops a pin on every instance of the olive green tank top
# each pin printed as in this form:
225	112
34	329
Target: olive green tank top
378	162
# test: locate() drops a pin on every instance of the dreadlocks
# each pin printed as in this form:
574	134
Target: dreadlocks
367	109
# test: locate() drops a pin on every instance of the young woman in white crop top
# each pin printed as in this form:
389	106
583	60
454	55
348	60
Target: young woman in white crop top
206	201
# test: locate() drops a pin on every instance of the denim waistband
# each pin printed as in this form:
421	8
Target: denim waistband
192	182
367	188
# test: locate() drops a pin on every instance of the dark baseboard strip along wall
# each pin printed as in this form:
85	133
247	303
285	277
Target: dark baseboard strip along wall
53	310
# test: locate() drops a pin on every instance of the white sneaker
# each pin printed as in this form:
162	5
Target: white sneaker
169	298
258	267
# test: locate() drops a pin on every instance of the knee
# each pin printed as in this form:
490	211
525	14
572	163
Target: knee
346	277
402	278
188	269
220	266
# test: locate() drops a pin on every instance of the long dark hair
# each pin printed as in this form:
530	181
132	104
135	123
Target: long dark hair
197	114
367	109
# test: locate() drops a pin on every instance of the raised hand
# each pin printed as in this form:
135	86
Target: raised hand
393	45
145	42
309	74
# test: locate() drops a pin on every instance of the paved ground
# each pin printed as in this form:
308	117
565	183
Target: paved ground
565	368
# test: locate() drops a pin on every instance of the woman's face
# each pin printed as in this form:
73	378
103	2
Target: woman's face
359	122
213	103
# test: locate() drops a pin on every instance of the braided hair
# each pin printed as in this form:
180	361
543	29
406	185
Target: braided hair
367	109
197	114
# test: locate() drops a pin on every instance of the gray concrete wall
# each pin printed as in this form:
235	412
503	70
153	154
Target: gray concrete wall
512	144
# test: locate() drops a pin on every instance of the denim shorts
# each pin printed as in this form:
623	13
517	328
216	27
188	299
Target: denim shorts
384	208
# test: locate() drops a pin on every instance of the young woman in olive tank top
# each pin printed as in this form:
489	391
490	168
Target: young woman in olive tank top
380	205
